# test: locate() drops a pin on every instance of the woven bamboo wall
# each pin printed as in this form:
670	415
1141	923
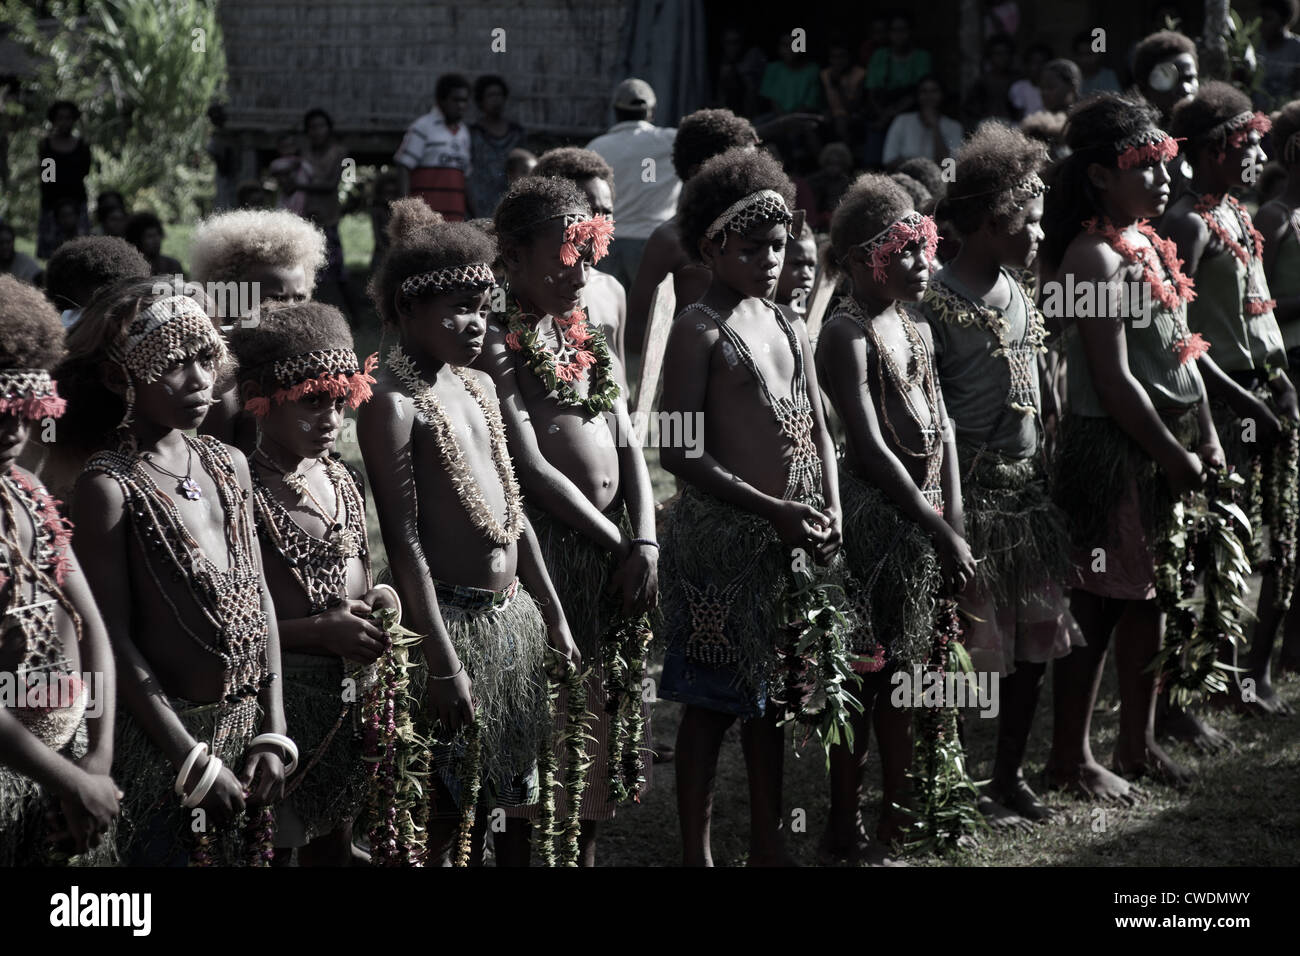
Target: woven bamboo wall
373	65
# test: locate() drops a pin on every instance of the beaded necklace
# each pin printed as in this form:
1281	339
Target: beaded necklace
453	459
1173	289
318	565
231	599
919	374
1207	207
793	414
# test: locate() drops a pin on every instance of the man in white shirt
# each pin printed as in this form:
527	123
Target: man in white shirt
646	186
434	156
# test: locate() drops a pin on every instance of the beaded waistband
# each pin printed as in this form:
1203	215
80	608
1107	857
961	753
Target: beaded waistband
462	597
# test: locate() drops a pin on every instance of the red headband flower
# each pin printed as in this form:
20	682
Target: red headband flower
1258	122
598	231
354	386
1162	150
913	227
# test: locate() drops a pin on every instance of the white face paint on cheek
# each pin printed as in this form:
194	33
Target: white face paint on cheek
305	426
168	389
744	257
447	323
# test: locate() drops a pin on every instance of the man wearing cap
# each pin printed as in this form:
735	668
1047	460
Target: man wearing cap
646	194
433	159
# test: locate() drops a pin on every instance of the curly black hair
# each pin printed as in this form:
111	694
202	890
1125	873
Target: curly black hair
708	133
81	267
926	172
531	203
921	198
31	335
283	330
869	206
485	83
722	181
1045	126
995	158
139	224
577	165
1157	48
1092	130
421	241
1286	123
1215	103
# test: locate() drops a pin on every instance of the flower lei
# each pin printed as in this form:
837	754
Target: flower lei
561	675
814	665
471	767
1212	524
1283	477
624	659
590	349
398	756
257	832
453	458
945	797
1206	208
1177	290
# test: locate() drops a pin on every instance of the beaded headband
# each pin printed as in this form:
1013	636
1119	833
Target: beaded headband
1149	146
899	234
1235	131
171	329
474	275
766	205
334	372
30	393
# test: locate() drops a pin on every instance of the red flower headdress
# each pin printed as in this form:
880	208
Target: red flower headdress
898	235
580	230
1149	146
30	394
333	372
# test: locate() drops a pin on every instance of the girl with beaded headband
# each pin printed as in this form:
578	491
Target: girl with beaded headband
988	338
584	475
459	544
1278	221
168	523
903	538
56	744
298	376
1138	434
735	599
1248	380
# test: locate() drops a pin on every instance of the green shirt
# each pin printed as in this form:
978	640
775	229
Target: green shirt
792	90
887	73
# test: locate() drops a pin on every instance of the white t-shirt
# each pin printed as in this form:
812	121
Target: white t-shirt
641	203
1025	97
430	143
908	137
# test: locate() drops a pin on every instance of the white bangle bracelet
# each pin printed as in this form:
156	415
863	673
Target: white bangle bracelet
200	749
288	746
396	598
205	783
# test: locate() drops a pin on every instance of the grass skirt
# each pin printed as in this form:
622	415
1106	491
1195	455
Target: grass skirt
895	572
154	829
503	649
330	786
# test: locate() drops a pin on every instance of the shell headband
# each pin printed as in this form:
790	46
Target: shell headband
473	275
30	393
1234	132
898	235
334	372
1149	146
766	205
170	330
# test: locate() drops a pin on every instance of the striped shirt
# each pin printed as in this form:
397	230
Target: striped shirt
431	143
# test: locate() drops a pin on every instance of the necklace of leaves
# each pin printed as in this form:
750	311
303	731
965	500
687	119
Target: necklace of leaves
588	348
453	458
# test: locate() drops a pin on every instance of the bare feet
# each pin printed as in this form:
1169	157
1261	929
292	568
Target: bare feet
1018	797
1260	699
1091	779
1154	763
1185	726
999	817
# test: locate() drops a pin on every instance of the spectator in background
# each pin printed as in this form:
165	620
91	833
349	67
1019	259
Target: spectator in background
1166	71
924	131
1047	128
292	174
1097	76
641	155
877	38
791	83
892	77
145	231
1060	85
225	159
491	138
387	190
68	221
740	74
1279	53
69	158
434	157
827	185
844	87
252	194
325	156
17	264
519	163
1024	93
110	214
990	97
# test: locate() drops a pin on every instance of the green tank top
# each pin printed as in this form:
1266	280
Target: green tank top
1286	275
1238	342
1152	360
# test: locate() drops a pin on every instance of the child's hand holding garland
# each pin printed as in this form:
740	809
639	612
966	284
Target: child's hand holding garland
348	631
89	805
561	641
263	778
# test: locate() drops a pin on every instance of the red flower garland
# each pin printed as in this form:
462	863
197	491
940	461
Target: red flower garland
575	331
47	506
1177	290
1205	209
